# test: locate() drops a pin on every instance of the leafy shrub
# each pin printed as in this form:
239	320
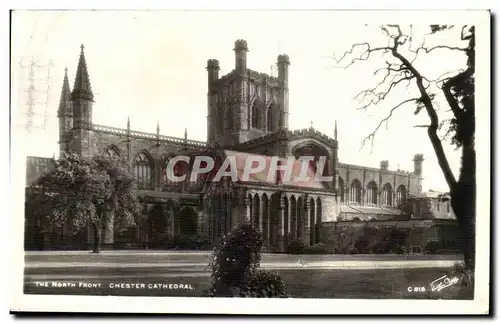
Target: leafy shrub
265	284
431	247
236	257
235	263
399	249
295	246
319	248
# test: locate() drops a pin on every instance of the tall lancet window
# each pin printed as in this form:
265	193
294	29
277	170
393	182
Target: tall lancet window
270	119
143	171
387	195
400	195
372	193
355	191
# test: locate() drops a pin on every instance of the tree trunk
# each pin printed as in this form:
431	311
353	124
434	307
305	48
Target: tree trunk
463	202
97	238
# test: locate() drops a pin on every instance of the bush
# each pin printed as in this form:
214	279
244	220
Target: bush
295	246
265	284
319	248
431	248
235	263
399	249
236	257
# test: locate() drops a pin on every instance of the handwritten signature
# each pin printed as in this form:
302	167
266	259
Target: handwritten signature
443	282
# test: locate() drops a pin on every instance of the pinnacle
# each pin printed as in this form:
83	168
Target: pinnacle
64	103
82	88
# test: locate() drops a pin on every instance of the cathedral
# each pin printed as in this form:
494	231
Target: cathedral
247	115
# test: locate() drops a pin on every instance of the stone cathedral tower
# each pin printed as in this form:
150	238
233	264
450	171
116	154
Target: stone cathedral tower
245	104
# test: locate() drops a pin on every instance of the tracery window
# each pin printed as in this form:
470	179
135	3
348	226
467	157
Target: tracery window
387	195
400	195
143	170
371	197
355	192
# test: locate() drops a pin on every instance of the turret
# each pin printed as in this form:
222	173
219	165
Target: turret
283	63
213	72
240	52
213	75
418	160
384	165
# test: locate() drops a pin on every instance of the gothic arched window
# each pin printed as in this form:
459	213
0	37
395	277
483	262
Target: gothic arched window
143	170
270	119
387	195
355	194
257	114
400	195
372	189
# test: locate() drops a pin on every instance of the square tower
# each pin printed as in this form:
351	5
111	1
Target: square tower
245	104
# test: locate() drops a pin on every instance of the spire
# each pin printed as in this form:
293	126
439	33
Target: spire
64	103
185	134
335	132
82	88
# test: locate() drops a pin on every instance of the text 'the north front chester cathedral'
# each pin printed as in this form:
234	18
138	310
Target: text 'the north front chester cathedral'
247	115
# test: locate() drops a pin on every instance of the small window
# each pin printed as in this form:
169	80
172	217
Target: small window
437	206
448	208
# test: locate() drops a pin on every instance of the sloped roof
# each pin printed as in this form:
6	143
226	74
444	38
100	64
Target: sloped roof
261	177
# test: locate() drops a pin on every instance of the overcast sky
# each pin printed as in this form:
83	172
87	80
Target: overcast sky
151	66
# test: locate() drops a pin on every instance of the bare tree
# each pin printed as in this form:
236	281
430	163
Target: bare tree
400	70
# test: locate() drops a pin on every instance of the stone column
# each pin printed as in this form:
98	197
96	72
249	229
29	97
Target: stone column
261	216
281	239
306	224
312	224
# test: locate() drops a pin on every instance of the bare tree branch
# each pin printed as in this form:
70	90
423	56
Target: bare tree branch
433	127
371	136
428	50
363	56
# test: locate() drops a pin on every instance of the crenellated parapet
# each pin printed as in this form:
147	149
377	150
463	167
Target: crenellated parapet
225	79
263	78
289	135
312	133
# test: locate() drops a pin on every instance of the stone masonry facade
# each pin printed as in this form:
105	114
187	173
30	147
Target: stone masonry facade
247	112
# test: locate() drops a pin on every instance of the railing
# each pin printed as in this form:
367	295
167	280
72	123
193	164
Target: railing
144	135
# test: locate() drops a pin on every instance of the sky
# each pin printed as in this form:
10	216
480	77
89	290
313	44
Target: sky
150	66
